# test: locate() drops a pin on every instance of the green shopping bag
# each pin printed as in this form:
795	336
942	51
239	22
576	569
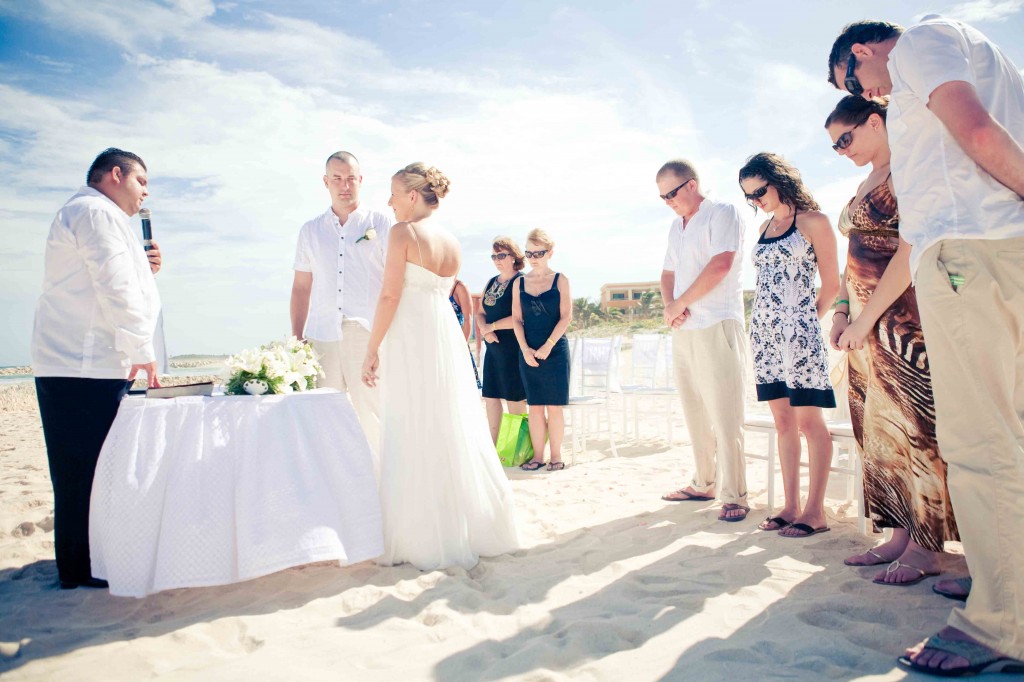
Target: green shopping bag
514	445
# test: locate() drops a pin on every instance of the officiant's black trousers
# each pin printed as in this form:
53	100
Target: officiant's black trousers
77	414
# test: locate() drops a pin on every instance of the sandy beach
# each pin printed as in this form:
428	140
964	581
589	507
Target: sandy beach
612	584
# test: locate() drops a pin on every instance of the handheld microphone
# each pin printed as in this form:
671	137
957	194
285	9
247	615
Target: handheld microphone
147	228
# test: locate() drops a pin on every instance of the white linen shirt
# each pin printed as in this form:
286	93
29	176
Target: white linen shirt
347	276
99	307
942	192
715	228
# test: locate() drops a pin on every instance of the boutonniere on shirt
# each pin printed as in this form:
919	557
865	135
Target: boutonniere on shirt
369	235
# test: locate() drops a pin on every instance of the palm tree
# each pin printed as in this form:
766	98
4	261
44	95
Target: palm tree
649	304
585	312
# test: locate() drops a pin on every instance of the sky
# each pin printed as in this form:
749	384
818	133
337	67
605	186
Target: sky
542	114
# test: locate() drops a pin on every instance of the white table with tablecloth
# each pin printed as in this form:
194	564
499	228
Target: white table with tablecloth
200	491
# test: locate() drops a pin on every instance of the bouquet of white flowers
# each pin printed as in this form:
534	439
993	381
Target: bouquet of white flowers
279	367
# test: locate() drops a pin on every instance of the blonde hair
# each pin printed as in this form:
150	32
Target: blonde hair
431	183
506	244
681	168
539	236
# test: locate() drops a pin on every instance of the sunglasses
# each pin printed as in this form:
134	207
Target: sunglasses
853	85
846	139
537	254
672	195
757	193
500	256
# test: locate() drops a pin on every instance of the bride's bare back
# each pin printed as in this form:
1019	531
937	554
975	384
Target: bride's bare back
432	248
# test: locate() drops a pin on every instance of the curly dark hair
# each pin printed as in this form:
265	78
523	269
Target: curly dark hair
853	110
786	180
859	32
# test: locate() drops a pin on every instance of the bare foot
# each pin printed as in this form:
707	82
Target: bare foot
816	522
733	512
914	565
688	494
953	588
934	658
885	553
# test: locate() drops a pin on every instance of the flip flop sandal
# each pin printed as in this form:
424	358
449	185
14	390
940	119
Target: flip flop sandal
556	466
897	565
806	531
980	659
964	583
779	522
690	497
532	465
730	507
881	560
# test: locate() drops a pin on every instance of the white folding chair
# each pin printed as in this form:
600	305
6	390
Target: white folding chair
595	361
651	378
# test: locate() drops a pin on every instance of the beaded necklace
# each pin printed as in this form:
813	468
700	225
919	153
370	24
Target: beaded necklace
496	291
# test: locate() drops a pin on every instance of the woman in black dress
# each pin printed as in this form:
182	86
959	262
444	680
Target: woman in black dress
541	313
494	324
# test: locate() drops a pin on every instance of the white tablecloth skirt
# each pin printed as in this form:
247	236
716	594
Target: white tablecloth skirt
193	492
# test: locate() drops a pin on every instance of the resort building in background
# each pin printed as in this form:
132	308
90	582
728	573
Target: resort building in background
626	296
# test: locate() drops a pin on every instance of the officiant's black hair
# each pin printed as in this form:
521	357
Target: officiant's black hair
110	157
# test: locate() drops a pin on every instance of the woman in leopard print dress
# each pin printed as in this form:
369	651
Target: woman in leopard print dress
878	323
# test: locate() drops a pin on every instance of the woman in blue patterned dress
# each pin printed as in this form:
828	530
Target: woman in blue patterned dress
790	359
462	304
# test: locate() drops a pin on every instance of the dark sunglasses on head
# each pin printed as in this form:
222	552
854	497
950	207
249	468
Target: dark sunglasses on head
537	254
846	139
500	256
853	85
668	196
758	193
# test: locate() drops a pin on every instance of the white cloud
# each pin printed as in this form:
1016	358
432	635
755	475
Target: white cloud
235	110
977	11
235	137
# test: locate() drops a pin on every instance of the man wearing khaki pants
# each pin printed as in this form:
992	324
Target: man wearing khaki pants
339	268
956	126
700	285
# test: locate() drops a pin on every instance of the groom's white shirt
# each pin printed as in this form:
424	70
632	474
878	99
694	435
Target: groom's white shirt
347	272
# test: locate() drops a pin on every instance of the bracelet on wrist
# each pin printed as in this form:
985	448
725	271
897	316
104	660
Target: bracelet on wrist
842	312
842	301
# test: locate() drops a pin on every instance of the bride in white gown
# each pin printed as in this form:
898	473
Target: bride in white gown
445	498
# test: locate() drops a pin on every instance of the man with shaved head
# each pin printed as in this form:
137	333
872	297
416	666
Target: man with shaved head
339	269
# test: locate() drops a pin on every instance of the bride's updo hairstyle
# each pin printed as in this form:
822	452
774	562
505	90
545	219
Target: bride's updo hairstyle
431	183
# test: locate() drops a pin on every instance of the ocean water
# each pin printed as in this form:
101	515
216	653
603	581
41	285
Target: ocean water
175	372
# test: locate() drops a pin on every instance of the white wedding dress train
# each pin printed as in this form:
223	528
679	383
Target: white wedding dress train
445	498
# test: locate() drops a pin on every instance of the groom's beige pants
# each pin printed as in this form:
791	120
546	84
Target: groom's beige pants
342	362
975	337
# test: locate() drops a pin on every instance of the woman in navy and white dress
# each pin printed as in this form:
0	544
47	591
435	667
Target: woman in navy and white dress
790	358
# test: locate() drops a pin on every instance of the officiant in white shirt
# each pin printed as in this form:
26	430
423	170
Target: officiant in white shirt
339	269
94	330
